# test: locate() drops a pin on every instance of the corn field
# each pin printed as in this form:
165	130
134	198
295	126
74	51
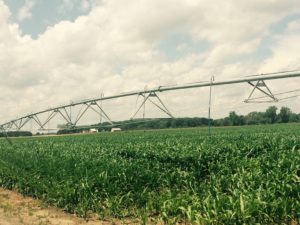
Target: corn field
235	176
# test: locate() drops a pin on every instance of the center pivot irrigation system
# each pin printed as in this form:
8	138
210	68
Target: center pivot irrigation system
258	82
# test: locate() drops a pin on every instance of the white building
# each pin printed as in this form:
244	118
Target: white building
115	129
90	131
93	130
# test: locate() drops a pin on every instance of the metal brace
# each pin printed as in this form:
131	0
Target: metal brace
147	97
262	87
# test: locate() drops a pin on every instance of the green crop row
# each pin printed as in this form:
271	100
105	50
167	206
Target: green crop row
237	176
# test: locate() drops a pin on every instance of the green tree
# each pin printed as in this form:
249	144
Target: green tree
294	118
284	114
234	118
271	114
255	118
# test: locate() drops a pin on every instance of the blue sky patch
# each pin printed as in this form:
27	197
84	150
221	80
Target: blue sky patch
178	45
44	14
279	27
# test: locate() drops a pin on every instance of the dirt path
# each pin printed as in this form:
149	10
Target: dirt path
18	210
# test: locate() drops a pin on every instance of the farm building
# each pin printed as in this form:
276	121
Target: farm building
116	129
92	130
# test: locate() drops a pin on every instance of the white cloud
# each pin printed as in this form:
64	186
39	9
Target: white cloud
85	5
294	26
25	11
285	52
114	49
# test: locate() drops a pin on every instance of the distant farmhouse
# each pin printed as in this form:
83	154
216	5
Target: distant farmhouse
116	129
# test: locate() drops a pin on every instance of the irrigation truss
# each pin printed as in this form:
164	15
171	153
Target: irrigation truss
258	83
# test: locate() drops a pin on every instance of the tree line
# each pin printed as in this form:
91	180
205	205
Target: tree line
15	134
270	116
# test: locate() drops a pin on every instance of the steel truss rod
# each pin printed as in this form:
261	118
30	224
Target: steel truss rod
8	126
80	114
66	118
260	84
279	99
278	94
50	117
101	111
69	116
139	108
90	106
37	120
262	77
14	123
24	123
20	123
101	103
293	96
147	97
163	108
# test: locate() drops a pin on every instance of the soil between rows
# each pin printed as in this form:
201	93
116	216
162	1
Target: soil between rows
16	209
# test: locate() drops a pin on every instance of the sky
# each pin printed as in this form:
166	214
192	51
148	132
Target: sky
55	52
